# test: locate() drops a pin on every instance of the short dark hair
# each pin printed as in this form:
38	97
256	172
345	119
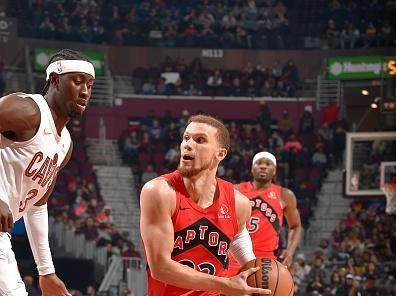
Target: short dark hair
223	136
64	54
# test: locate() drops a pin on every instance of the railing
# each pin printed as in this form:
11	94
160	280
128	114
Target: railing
124	273
77	246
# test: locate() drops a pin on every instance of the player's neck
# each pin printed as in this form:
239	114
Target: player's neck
260	186
202	188
60	120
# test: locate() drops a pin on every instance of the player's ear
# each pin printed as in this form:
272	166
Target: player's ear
54	79
221	154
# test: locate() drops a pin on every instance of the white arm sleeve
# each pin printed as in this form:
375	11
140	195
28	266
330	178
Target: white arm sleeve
241	247
36	222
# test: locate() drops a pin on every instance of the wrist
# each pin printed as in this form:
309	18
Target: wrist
223	285
47	275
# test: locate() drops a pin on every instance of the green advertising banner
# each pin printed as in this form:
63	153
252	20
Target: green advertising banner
356	68
42	56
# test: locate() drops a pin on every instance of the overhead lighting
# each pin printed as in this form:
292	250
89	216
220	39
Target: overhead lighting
365	92
374	104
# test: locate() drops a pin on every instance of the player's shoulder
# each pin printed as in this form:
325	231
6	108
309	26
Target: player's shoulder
286	191
241	199
21	110
288	196
243	186
159	186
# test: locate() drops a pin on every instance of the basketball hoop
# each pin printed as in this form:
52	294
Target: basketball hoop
389	190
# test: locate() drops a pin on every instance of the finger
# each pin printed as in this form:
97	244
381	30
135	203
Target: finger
10	221
252	270
259	291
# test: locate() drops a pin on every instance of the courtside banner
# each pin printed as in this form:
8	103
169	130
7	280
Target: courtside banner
356	68
42	56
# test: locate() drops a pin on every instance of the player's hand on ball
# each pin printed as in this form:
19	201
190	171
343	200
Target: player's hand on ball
6	220
51	285
239	287
286	258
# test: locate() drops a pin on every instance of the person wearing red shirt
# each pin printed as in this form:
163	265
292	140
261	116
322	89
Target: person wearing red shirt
190	219
270	204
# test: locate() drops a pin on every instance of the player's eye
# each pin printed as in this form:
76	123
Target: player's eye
201	140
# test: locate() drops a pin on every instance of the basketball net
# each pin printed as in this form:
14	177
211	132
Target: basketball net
389	190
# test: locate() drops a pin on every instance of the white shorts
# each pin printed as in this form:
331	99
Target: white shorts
11	283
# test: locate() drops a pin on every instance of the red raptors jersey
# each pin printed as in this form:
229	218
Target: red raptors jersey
267	217
265	222
202	236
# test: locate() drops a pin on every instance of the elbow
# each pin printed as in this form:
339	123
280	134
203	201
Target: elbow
158	271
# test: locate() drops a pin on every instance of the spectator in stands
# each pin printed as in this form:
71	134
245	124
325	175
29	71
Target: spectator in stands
251	89
335	282
355	289
332	34
349	36
90	291
386	34
275	141
340	128
319	158
285	125
173	156
148	174
292	144
214	83
265	115
89	229
318	272
161	86
148	88
30	288
105	217
316	284
371	38
156	131
47	28
235	89
330	112
130	148
301	269
307	122
2	78
291	71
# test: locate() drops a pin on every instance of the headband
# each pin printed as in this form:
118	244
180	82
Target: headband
267	155
67	66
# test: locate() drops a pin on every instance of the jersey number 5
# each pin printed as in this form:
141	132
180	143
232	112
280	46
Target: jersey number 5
253	224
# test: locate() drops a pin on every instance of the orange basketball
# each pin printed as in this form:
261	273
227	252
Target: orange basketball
272	275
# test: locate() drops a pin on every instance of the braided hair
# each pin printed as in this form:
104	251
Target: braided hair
64	54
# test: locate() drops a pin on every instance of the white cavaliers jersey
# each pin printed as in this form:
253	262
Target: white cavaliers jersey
28	168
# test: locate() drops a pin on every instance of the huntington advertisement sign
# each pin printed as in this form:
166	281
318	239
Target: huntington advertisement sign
357	68
42	56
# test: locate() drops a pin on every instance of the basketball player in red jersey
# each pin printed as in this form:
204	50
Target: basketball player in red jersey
270	203
190	219
34	145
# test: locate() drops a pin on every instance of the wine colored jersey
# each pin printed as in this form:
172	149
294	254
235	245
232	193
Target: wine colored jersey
201	236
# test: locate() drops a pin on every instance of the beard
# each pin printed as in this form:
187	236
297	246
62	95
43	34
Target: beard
192	172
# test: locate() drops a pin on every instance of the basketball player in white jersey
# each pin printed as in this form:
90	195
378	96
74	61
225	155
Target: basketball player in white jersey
34	146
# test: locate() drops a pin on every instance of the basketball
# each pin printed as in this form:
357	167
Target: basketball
272	275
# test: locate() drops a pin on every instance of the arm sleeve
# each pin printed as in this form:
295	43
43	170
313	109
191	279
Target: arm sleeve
241	247
36	222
